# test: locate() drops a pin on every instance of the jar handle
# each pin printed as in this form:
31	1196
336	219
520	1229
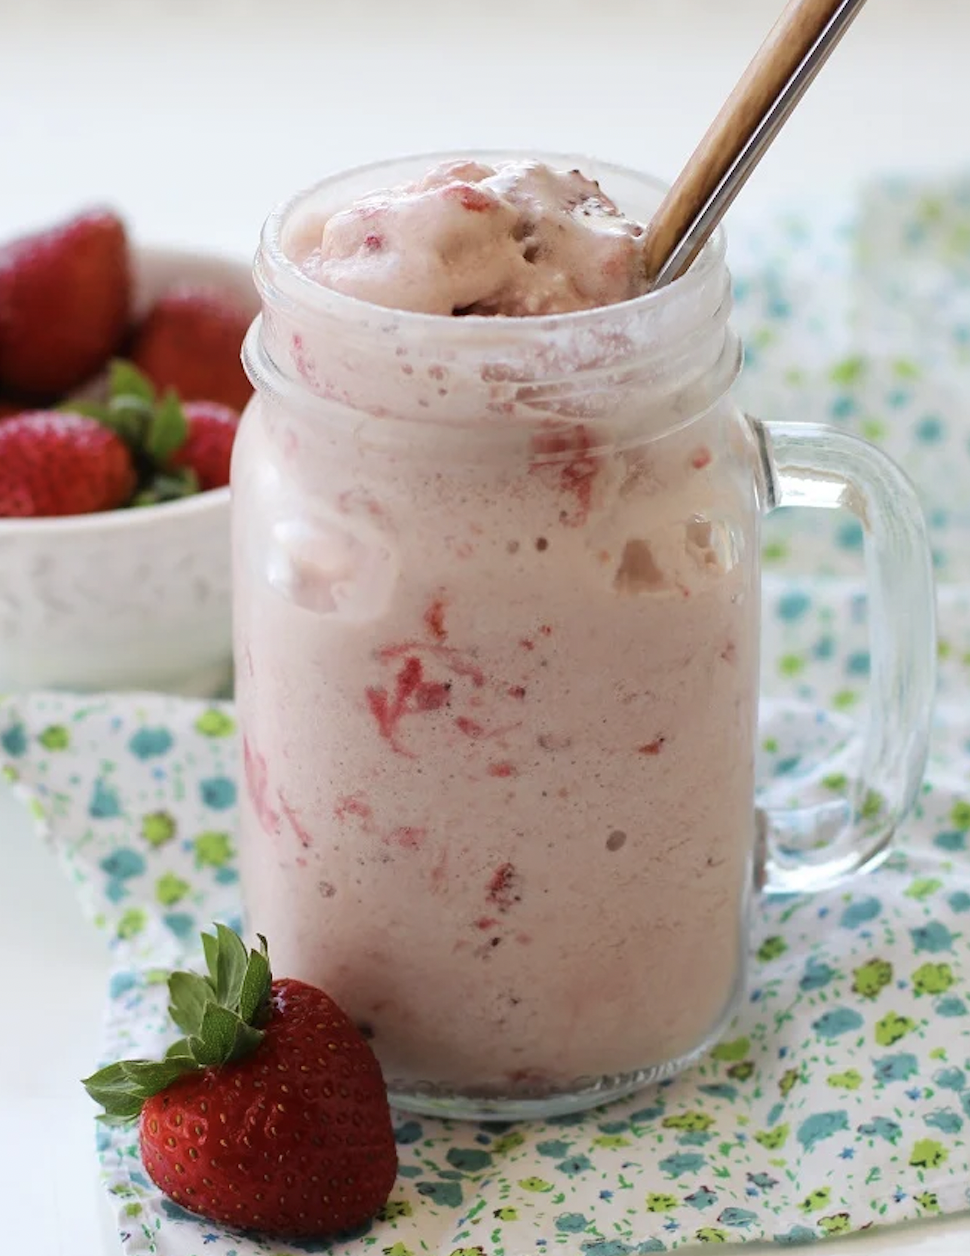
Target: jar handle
805	464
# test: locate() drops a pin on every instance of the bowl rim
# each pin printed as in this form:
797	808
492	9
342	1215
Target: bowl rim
109	521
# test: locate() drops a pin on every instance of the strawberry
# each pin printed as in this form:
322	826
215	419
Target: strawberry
191	342
207	448
56	463
271	1114
65	295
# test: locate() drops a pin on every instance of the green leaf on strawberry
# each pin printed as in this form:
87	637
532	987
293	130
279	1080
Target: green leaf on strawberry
167	428
257	979
122	1088
155	428
224	1037
168	486
129	420
177	448
125	379
188	994
226	957
221	1015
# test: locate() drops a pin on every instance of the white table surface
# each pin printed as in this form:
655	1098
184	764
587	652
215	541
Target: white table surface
194	116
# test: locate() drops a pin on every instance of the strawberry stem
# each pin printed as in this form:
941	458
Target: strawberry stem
154	428
221	1016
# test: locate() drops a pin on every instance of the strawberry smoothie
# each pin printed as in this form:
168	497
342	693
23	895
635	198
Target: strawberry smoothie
474	239
497	635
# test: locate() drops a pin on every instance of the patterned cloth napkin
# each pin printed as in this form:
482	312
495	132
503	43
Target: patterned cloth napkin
840	1098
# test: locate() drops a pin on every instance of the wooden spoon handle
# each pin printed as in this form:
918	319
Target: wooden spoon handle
789	42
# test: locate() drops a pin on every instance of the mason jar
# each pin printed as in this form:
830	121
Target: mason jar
497	645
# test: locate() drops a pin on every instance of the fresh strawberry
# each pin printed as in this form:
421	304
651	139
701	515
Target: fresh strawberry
271	1114
207	448
65	295
191	341
55	463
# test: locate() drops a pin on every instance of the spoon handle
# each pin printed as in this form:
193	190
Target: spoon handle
786	64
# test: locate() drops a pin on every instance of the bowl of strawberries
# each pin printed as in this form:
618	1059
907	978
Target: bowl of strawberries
121	388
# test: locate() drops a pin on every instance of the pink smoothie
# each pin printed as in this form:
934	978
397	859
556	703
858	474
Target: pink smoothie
499	702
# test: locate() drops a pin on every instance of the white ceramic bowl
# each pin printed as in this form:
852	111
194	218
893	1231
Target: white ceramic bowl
127	599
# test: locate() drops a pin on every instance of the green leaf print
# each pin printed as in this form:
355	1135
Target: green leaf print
960	815
849	371
816	1199
132	923
158	827
773	1140
851	1079
215	723
688	1121
923	887
212	850
892	1028
55	737
871	978
171	889
735	1050
536	1185
932	979
395	1208
771	948
928	1154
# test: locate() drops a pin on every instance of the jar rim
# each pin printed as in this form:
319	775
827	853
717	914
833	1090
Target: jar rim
279	278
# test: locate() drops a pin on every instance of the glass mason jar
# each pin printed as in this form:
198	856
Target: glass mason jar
497	637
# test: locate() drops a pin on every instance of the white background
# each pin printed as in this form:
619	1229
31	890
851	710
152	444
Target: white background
194	117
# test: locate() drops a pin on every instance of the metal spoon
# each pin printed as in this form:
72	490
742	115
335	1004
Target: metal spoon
797	47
